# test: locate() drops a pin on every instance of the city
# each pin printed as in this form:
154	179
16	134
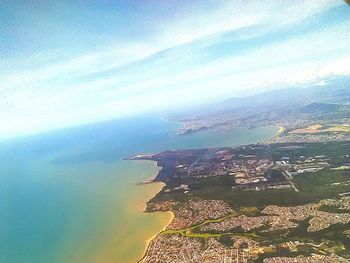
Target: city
228	228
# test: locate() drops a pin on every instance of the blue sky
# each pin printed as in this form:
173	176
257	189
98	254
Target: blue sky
65	63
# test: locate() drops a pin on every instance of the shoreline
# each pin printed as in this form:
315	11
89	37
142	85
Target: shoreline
145	207
148	241
281	129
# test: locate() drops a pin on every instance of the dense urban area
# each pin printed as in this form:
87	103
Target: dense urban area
261	203
286	199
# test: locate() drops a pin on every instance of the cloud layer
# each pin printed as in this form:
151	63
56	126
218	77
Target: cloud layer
67	64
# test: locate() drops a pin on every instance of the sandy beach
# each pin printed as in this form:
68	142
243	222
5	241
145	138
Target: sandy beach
148	241
169	215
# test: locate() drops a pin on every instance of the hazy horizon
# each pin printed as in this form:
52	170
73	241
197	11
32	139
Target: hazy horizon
67	64
174	130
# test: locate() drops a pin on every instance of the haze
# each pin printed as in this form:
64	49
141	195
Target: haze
65	63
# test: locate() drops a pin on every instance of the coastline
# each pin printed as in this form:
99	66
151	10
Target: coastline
172	216
159	183
148	241
281	129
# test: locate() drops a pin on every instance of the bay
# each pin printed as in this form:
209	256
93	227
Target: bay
68	196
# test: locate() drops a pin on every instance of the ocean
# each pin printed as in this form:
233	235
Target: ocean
68	196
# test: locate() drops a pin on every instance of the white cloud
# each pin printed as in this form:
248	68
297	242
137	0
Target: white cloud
60	90
340	67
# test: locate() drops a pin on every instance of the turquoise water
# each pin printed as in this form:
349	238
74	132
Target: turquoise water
67	196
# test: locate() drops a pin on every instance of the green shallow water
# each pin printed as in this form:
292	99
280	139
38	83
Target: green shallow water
68	196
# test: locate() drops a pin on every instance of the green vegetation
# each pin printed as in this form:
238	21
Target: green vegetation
226	240
323	184
313	187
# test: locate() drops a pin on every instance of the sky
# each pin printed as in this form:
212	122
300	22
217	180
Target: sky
65	63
